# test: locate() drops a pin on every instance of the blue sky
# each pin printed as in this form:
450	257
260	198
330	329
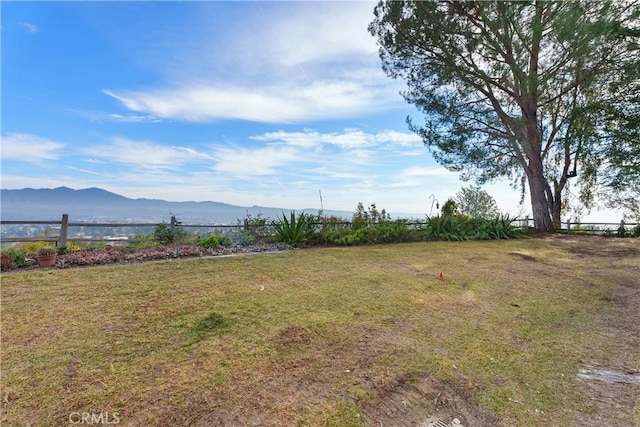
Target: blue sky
248	103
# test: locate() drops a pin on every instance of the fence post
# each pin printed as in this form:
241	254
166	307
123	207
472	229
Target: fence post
172	224
64	230
568	224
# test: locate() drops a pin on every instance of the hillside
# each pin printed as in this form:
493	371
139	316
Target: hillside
95	204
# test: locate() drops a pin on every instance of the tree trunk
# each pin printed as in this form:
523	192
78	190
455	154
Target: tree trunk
540	204
556	209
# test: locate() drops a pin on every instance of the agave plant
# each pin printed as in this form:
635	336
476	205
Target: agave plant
292	230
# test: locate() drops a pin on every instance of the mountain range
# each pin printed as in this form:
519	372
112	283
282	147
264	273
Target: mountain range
98	205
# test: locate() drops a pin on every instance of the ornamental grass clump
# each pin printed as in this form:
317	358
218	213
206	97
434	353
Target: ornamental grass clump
47	251
293	231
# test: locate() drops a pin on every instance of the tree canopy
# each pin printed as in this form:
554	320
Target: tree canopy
539	91
476	203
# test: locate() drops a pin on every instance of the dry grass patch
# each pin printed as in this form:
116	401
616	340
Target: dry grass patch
325	336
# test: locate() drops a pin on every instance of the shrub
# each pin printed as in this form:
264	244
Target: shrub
214	240
458	227
18	256
71	247
31	248
382	232
371	216
293	231
143	240
7	263
254	228
164	235
622	230
449	208
328	228
448	227
636	231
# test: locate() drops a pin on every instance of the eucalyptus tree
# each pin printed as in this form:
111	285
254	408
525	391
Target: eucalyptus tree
536	91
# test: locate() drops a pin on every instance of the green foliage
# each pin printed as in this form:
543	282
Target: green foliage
448	227
214	240
368	226
521	89
18	256
254	228
165	235
622	230
31	248
364	218
636	231
327	229
476	203
459	227
384	232
449	208
143	240
293	231
71	247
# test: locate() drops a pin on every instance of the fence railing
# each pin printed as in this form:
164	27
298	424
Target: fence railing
59	233
63	225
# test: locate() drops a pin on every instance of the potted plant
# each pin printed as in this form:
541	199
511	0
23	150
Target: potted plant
46	256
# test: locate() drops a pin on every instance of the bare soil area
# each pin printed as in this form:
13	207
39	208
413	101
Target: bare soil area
613	400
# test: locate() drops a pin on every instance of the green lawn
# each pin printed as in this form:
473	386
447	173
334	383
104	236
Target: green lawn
311	337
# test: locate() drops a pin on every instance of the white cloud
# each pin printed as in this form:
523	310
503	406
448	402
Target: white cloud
145	154
243	163
29	148
283	63
420	178
30	28
347	139
283	103
316	32
132	118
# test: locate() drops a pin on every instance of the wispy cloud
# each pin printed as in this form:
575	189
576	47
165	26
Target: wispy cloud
29	28
30	148
347	139
245	163
423	177
282	64
130	118
145	154
284	103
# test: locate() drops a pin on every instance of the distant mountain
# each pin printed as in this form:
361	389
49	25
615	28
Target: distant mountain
95	204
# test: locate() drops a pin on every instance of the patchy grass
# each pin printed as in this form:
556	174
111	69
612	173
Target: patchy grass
317	337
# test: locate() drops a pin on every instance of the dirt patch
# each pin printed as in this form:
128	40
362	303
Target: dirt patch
293	336
610	399
600	246
425	402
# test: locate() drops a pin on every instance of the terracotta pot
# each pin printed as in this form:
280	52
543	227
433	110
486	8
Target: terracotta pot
47	261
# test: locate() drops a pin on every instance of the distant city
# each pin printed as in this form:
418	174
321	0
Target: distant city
95	205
